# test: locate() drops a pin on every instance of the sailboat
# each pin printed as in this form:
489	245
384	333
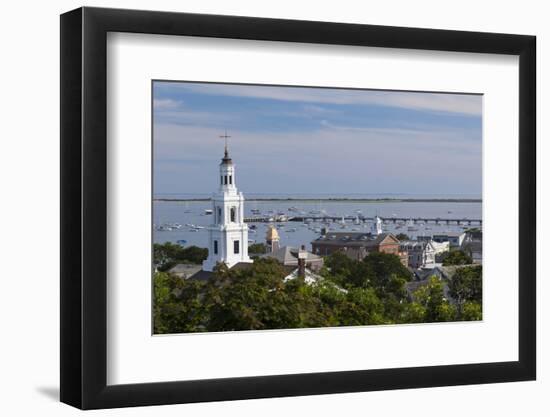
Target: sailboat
410	226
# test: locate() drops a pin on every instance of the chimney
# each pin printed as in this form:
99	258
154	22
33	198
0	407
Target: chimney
302	255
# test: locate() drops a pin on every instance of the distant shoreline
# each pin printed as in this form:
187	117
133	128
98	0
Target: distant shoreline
340	200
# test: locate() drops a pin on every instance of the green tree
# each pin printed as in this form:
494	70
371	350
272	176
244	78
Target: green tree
414	312
348	293
431	297
253	298
471	311
402	236
456	257
361	307
257	249
177	305
344	271
466	285
168	254
383	266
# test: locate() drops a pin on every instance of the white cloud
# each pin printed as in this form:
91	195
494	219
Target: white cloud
468	104
166	103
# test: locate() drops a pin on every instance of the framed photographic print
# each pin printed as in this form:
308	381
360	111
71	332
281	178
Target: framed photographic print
258	207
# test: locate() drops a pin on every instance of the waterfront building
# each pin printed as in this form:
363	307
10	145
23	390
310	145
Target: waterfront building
455	239
288	255
358	245
440	247
473	246
421	254
228	235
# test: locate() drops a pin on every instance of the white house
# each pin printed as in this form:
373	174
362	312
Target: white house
421	253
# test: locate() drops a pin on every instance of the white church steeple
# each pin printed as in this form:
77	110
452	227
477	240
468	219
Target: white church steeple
228	235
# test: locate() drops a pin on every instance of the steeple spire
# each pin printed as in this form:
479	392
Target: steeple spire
226	158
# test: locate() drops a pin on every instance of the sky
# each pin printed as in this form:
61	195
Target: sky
298	140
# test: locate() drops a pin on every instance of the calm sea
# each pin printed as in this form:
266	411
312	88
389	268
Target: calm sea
296	234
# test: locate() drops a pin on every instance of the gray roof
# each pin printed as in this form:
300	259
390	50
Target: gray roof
206	275
351	239
202	275
449	234
440	271
185	269
414	243
288	255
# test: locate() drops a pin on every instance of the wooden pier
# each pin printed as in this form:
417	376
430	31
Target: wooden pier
363	219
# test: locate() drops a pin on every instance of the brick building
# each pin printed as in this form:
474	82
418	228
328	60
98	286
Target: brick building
358	245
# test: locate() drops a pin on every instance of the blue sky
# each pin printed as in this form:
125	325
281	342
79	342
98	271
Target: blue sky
289	140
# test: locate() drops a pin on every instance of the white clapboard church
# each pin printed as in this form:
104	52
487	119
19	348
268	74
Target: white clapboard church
228	235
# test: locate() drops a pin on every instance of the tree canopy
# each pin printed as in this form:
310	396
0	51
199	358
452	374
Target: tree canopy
257	249
402	236
168	254
348	293
456	257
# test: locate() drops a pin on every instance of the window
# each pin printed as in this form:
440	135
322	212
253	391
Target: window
221	179
235	246
233	214
225	179
215	247
219	214
230	179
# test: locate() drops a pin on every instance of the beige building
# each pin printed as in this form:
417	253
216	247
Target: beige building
288	255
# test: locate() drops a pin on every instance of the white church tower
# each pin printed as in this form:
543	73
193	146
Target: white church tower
228	236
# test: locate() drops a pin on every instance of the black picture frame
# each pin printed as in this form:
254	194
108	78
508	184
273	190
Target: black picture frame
84	207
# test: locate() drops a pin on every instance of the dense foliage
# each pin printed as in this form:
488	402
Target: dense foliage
456	257
465	287
402	236
350	293
168	254
257	249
